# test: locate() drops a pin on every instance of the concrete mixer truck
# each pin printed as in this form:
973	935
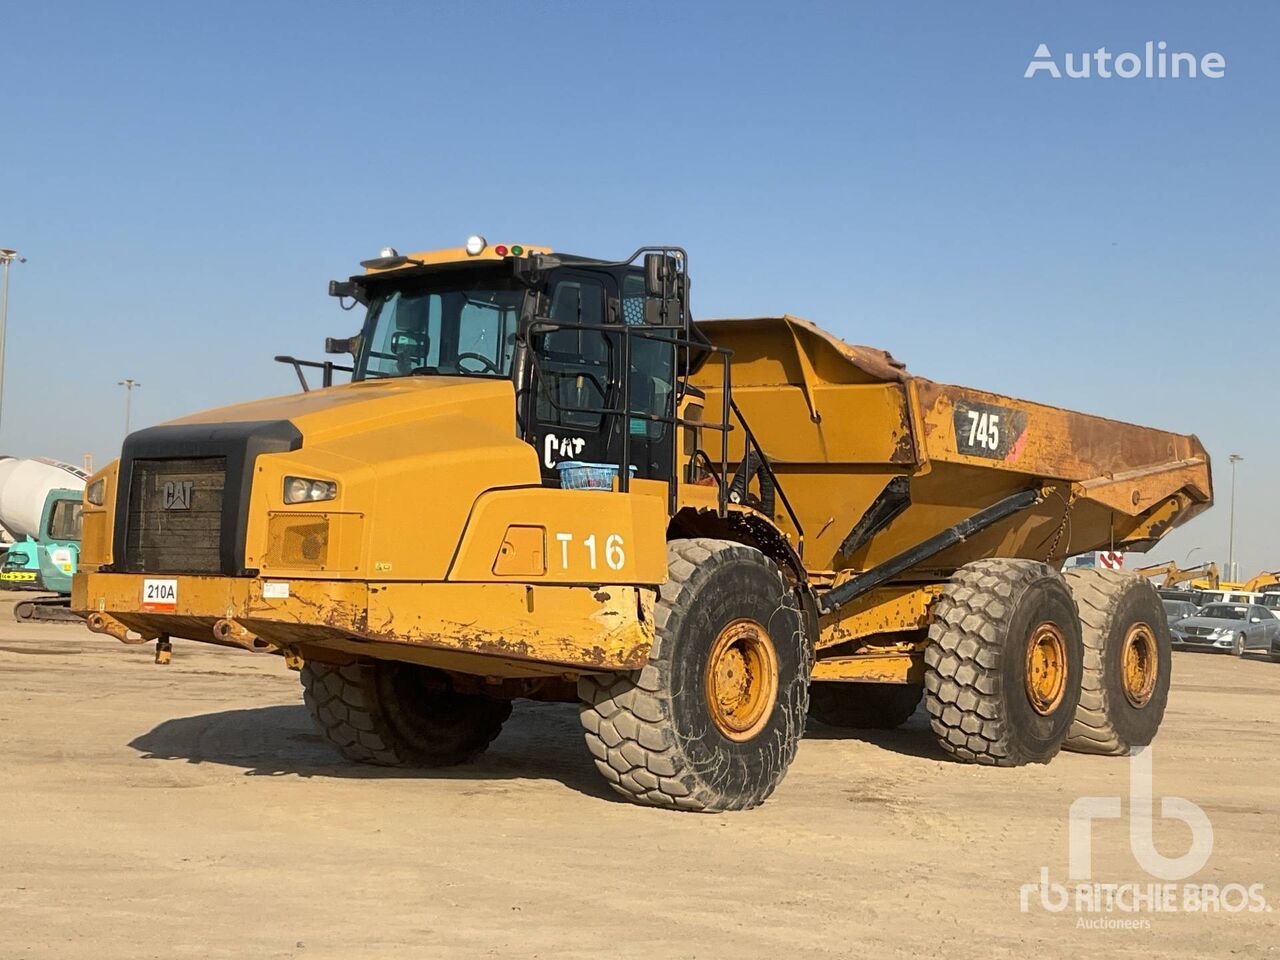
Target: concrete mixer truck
40	507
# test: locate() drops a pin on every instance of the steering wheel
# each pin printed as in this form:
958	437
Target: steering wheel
489	365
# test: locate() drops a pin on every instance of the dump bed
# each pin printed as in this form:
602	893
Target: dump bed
848	429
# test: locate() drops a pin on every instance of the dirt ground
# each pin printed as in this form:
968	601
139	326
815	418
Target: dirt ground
190	811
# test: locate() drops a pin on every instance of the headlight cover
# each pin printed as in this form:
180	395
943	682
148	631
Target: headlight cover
96	492
306	490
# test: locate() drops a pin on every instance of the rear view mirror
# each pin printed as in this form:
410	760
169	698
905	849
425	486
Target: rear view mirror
348	289
659	276
342	345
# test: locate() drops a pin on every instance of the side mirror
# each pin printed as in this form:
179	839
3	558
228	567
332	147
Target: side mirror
659	276
349	345
348	289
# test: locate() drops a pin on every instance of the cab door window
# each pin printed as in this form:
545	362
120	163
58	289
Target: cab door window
574	363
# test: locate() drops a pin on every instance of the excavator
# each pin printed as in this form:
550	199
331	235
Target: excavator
1202	577
1263	583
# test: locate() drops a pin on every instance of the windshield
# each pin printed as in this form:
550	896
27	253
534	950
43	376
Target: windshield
64	520
1222	611
455	325
1177	608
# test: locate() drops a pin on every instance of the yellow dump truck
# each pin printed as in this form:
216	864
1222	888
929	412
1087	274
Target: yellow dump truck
544	480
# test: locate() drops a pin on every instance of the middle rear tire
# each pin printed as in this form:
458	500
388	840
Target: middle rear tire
1003	663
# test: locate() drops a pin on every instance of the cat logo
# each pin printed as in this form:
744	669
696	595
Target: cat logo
177	494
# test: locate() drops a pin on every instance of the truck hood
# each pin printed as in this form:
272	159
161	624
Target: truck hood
356	407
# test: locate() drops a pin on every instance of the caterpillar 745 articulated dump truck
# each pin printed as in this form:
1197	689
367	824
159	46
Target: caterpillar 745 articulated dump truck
545	481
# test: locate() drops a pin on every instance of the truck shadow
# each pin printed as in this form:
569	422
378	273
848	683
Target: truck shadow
535	744
912	739
541	741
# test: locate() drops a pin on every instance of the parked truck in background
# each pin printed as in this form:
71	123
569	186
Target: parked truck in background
40	504
546	481
46	563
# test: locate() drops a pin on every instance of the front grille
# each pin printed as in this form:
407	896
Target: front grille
174	518
1197	631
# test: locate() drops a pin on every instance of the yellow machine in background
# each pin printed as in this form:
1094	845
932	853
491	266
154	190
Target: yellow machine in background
545	480
1202	577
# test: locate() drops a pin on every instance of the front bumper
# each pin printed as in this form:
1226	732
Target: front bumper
489	629
1201	643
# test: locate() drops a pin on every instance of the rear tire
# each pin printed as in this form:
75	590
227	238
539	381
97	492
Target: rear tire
396	714
1120	612
864	706
1003	663
713	721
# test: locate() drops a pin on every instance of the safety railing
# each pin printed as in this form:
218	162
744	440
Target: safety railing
625	412
326	366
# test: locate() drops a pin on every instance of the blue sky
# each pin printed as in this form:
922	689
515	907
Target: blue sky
185	179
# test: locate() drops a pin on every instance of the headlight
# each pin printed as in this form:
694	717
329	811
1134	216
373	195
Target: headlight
476	245
96	492
303	490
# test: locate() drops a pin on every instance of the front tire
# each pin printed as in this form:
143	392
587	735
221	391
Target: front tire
394	714
1003	663
713	721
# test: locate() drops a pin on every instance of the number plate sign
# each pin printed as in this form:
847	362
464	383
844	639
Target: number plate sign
986	430
160	596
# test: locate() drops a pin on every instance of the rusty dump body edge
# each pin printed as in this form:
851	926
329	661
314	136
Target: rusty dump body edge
840	422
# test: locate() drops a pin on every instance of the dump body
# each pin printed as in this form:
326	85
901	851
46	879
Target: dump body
841	422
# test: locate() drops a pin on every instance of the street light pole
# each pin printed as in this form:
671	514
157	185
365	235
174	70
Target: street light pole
7	257
1233	459
128	383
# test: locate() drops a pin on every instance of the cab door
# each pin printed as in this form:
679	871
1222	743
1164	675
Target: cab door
571	382
579	376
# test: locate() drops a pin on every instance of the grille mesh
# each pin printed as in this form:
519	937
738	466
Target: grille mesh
174	523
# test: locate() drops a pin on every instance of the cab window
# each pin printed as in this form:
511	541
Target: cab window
64	520
574	363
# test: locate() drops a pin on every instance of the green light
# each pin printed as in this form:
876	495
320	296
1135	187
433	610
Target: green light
517	250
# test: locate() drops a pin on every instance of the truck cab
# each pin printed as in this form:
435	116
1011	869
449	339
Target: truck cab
49	562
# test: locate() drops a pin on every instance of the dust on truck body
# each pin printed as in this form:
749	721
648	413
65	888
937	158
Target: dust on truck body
805	531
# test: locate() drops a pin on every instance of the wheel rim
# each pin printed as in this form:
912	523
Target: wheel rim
742	679
1046	676
1140	664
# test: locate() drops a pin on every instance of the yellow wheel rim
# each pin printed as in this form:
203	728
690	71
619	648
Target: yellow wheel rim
1139	664
742	679
1046	677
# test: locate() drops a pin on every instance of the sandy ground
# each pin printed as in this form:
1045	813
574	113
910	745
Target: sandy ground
190	811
